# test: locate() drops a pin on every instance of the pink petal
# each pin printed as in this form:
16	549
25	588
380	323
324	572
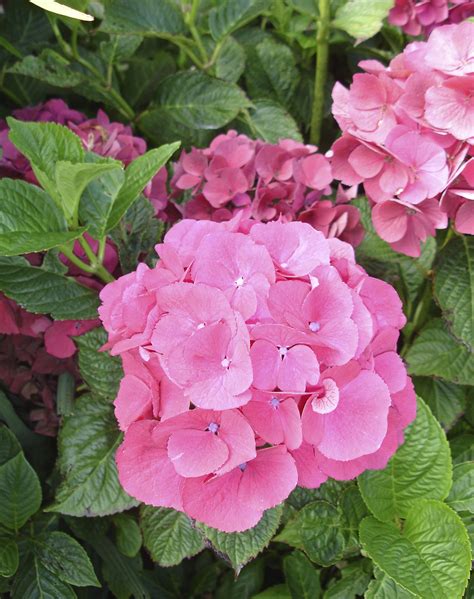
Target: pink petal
196	453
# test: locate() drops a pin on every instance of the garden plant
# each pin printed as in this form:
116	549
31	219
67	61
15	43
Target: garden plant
236	299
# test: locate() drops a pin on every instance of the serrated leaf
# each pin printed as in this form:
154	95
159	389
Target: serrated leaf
137	176
454	287
120	47
44	292
49	67
101	371
446	400
193	99
240	547
87	442
431	557
29	220
20	492
45	144
64	557
353	583
461	496
169	535
9	557
230	63
383	587
72	179
353	511
230	15
421	468
271	122
143	18
362	18
127	534
34	581
436	352
301	576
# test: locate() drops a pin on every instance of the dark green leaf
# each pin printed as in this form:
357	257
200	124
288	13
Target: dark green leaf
9	557
34	581
9	446
301	576
143	18
446	400
461	496
230	15
271	122
353	583
230	63
279	591
49	67
20	492
128	535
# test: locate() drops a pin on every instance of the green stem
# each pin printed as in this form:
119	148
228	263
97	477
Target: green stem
322	55
191	22
94	268
71	256
88	251
101	252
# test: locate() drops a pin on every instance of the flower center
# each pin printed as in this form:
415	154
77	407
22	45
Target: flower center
243	466
239	282
201	325
283	351
213	427
275	402
225	363
314	326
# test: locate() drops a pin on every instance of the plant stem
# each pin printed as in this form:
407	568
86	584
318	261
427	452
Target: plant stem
94	268
191	22
322	54
88	251
101	251
71	256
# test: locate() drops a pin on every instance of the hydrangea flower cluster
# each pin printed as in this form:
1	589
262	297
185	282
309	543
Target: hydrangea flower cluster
422	16
407	136
256	356
265	182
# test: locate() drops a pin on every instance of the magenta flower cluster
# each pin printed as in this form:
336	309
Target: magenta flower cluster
407	136
257	357
265	182
422	16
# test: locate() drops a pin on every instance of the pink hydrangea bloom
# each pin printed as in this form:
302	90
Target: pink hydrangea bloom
256	356
422	16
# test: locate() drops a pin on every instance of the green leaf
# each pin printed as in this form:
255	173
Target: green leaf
383	587
446	400
64	557
271	122
137	176
29	220
278	591
240	547
193	99
436	352
454	287
44	292
50	68
431	557
128	535
362	18
45	144
230	63
34	581
301	576
353	583
20	492
353	511
169	535
143	18
144	75
87	442
9	558
420	468
9	446
119	48
317	529
100	371
72	179
249	582
233	14
461	496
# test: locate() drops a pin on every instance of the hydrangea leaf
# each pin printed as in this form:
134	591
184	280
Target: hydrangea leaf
272	122
101	371
383	587
436	352
446	400
454	287
9	446
230	63
353	582
278	591
20	492
431	557
29	220
33	581
240	547
9	557
420	468
301	576
143	18
44	292
461	496
362	18
128	535
87	442
230	15
169	535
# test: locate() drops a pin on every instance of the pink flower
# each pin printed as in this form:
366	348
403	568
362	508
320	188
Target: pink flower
341	222
450	106
57	338
450	49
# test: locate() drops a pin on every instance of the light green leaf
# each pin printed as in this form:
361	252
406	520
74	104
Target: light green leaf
137	176
301	576
362	18
353	583
64	557
230	63
34	581
100	371
169	535
72	179
421	468
454	287
240	547
45	144
9	558
431	557
29	220
436	352
446	400
230	15
44	292
193	99
461	496
87	442
278	591
383	587
271	122
127	534
20	492
143	18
